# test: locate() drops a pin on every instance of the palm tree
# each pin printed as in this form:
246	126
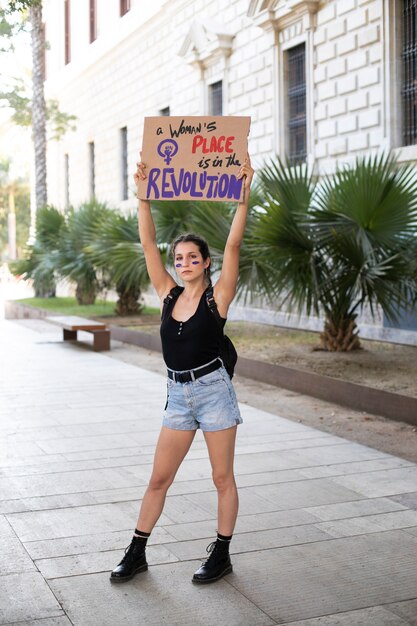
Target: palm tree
38	103
212	221
40	260
117	251
74	259
334	246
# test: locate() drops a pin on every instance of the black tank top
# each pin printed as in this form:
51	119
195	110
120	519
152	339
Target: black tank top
187	345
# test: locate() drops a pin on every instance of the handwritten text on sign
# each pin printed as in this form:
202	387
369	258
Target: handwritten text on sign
189	158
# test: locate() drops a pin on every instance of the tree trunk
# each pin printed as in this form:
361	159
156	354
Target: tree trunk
85	293
341	336
128	302
38	105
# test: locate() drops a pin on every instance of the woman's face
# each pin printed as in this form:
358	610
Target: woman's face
188	261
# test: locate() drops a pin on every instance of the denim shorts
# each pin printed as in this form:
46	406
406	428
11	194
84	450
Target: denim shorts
208	403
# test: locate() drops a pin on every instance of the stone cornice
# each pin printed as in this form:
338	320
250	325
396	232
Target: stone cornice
205	43
279	14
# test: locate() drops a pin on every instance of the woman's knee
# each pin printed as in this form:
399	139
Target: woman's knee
223	481
159	482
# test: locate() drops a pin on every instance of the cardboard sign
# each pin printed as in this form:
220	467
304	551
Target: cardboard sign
194	158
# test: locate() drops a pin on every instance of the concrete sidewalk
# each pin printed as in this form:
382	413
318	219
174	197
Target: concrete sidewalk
327	532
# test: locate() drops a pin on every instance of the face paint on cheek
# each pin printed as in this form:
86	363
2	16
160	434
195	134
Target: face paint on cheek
195	262
178	264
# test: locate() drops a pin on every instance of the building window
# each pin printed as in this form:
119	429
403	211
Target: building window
123	145
296	104
92	169
216	98
93	20
67	18
409	72
165	111
125	6
66	176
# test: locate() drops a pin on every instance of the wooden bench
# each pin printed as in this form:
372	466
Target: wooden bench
71	324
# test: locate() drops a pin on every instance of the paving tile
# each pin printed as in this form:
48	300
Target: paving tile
84	544
249	501
406	610
26	596
265	478
407	499
91	563
245	523
48	502
382	483
356	508
288	444
326	577
14	557
56	523
303	494
252	541
162	595
323	471
49	621
374	616
184	509
67	482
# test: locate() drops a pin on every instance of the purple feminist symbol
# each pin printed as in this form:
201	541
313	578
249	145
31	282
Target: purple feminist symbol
168	148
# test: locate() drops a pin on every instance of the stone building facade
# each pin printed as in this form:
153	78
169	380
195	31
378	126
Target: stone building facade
323	80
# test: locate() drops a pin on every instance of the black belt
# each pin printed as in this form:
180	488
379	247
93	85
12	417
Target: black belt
188	376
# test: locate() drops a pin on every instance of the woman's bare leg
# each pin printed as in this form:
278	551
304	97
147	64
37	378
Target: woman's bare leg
170	451
221	448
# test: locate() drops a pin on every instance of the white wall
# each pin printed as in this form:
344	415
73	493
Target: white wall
133	69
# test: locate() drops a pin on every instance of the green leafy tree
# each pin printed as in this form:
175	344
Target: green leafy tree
334	246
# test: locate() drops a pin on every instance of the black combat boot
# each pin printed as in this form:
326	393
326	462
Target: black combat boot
133	562
217	565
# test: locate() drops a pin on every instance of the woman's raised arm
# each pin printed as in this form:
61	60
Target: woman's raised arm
161	280
225	288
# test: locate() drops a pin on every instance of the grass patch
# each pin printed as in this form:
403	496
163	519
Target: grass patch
69	306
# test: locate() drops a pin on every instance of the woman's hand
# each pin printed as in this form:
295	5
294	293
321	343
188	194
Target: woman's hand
140	173
247	172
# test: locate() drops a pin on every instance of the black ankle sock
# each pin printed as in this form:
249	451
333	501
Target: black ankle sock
227	538
139	534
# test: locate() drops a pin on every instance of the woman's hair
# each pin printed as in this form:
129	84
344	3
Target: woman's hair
200	243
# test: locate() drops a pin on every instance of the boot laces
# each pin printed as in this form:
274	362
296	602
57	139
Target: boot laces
130	553
211	551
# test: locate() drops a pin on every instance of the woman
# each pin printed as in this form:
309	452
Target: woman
200	393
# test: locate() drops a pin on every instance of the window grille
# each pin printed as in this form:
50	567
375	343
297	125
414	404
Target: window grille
92	168
296	104
67	16
93	20
125	6
124	163
409	63
216	98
